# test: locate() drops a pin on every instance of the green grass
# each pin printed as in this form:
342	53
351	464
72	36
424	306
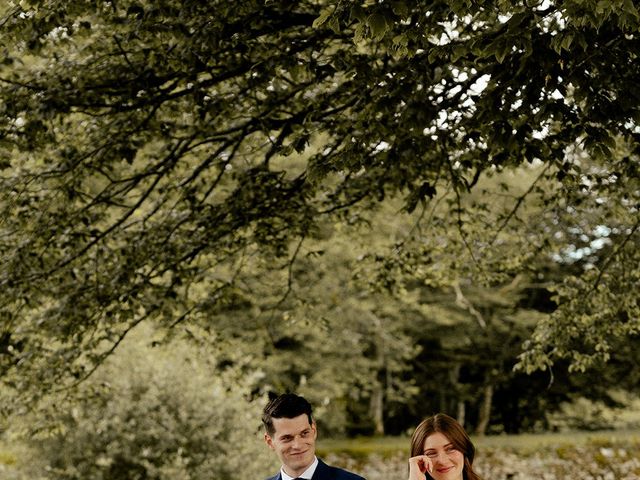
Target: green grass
363	446
388	446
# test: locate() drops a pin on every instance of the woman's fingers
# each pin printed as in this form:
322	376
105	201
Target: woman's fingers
419	466
428	466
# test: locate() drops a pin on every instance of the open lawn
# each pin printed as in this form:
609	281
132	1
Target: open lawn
524	443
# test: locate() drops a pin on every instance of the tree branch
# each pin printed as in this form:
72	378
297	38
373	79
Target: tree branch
517	205
464	303
614	254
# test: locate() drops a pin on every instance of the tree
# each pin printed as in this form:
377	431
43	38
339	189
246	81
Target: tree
330	336
147	148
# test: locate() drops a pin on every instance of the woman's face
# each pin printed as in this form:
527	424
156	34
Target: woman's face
447	461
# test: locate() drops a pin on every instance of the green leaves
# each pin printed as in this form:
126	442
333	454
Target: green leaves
155	147
377	25
153	411
324	16
596	311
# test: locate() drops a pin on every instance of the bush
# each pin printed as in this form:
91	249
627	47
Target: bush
158	413
585	414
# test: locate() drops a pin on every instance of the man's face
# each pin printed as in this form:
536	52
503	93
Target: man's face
294	441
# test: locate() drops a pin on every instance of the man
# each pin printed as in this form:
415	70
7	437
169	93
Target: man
291	432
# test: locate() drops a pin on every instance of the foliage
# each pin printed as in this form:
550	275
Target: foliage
327	319
159	157
155	413
18	461
592	317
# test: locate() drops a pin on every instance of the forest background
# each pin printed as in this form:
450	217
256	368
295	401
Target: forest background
391	208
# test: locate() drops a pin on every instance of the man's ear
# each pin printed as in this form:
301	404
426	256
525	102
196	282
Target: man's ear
269	441
314	428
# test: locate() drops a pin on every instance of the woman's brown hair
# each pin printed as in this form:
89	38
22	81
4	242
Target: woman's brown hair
450	428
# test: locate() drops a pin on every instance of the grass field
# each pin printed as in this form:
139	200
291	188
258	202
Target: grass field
523	443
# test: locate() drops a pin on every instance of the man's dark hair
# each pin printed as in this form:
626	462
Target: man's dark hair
287	405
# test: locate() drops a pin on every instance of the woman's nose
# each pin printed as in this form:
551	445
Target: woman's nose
441	457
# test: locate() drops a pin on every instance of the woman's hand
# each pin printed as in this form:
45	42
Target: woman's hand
419	466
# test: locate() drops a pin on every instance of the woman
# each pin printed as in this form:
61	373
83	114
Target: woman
441	450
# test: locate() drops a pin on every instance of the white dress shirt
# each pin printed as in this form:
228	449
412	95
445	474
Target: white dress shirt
307	474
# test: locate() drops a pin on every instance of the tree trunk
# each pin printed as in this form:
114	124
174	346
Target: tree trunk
485	410
376	407
461	412
454	376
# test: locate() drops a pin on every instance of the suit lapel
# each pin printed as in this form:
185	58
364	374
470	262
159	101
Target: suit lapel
323	471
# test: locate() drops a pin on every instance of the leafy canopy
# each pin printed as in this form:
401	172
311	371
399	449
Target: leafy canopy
149	147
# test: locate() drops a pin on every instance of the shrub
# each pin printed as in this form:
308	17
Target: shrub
158	413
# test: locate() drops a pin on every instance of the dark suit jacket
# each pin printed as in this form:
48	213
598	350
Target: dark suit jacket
326	472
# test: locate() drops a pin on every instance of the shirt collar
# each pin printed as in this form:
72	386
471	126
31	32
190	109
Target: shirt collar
307	474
